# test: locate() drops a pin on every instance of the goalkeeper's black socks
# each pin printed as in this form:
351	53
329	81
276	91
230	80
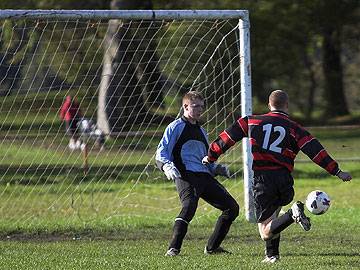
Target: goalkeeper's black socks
220	231
179	232
272	246
282	222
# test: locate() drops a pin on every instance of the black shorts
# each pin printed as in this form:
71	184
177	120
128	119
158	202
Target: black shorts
195	185
72	127
272	189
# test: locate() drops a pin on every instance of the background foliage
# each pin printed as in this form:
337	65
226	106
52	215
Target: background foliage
309	48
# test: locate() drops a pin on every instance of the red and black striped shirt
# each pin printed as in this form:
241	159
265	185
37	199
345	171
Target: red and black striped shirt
275	141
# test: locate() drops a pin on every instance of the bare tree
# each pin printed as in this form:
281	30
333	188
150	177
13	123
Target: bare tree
333	72
333	16
131	80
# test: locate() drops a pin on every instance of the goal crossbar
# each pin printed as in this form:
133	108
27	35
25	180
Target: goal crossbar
126	14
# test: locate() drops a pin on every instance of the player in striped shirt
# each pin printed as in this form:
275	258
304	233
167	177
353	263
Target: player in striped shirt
275	141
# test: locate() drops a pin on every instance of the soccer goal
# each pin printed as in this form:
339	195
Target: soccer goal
128	71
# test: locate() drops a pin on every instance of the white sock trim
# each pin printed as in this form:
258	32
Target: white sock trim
181	219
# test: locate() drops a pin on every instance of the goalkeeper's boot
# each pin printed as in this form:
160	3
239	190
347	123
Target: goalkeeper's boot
218	250
172	252
299	216
271	259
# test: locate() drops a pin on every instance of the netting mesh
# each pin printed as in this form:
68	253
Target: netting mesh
128	77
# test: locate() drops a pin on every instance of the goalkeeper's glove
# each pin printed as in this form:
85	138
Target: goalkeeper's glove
171	171
205	160
222	170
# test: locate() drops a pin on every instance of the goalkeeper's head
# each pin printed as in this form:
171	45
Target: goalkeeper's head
193	105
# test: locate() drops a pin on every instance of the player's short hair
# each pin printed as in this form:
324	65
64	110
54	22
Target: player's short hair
192	95
278	99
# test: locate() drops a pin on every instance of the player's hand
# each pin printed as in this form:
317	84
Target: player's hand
205	160
222	170
345	176
171	171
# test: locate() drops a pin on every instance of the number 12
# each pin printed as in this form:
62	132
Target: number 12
268	128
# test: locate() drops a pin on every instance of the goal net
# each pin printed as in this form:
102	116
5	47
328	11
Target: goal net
128	71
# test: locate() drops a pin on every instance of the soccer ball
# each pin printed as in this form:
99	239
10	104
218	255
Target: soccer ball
317	202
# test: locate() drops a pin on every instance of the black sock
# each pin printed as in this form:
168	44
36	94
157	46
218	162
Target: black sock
220	231
281	223
272	246
179	232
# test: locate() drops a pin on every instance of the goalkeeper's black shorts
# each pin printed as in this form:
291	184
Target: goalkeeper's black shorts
272	189
195	185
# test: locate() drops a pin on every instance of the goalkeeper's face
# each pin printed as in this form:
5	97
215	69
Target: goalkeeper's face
193	109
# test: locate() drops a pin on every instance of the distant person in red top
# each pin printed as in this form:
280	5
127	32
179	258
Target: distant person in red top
71	114
275	141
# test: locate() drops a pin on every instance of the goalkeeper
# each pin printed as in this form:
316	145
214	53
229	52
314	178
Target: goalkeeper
179	155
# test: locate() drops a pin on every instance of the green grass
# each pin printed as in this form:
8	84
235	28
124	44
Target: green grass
299	252
120	214
138	238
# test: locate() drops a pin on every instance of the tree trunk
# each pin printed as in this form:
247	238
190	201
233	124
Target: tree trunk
333	72
131	80
309	108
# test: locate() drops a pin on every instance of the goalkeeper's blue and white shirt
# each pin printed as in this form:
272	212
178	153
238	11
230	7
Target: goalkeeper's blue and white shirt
185	145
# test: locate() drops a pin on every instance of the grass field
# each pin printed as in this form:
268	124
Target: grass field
120	214
333	242
130	241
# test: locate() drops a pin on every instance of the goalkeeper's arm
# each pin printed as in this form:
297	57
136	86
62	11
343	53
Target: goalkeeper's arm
164	160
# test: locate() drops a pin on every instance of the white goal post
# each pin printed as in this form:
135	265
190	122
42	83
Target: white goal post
48	54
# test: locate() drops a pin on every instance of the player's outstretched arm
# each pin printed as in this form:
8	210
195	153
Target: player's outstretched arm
345	176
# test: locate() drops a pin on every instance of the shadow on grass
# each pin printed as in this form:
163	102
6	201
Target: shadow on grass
325	254
35	175
42	175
